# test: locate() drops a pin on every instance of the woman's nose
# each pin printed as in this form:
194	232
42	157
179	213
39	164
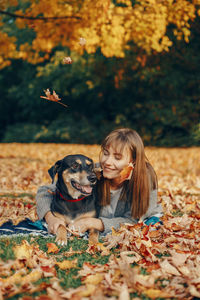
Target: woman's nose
108	160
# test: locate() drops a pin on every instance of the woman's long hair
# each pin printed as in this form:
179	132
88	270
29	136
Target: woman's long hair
143	179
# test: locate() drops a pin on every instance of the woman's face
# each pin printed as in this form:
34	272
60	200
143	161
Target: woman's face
113	161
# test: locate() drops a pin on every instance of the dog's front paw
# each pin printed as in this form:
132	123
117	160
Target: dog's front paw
61	235
61	241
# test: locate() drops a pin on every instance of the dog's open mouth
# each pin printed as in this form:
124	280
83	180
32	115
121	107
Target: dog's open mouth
84	189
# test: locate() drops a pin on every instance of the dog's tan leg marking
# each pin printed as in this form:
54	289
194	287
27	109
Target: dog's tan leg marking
61	234
93	236
93	233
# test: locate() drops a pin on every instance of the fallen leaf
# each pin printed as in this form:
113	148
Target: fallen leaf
168	268
124	293
67	264
154	293
93	279
52	248
88	291
23	251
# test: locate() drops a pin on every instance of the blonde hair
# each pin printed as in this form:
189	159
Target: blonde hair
137	189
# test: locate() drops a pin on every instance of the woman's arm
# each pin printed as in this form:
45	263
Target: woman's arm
53	222
116	222
155	208
85	224
44	198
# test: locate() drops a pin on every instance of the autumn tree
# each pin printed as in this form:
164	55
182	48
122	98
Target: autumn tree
105	24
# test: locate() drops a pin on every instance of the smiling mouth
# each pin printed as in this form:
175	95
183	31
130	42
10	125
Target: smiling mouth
84	189
108	169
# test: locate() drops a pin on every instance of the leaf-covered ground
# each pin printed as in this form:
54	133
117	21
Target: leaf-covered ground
135	262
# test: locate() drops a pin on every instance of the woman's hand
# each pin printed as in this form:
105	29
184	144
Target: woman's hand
85	224
53	222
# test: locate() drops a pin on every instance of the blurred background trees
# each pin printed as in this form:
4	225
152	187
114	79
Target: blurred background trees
138	68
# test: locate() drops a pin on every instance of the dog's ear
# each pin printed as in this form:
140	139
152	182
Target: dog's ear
55	169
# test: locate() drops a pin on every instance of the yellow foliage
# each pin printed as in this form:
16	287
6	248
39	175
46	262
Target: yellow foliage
7	49
102	24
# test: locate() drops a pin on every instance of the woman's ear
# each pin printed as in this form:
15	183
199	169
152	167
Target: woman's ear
55	169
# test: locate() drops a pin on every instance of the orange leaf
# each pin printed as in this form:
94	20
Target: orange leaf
54	97
126	172
52	248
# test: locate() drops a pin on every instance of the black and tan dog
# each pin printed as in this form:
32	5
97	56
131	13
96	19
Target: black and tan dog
74	197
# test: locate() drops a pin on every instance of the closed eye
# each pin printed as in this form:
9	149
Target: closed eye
105	152
118	156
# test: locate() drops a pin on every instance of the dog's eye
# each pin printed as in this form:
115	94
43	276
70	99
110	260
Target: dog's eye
75	166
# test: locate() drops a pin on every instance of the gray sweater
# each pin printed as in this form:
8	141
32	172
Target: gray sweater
112	215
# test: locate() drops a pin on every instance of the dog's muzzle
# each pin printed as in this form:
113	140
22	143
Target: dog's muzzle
84	189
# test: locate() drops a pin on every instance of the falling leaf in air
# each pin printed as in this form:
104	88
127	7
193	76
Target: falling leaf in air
82	41
52	97
67	60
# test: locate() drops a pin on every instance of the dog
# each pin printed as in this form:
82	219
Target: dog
74	197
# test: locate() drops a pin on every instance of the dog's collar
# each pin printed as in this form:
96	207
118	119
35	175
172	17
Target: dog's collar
70	200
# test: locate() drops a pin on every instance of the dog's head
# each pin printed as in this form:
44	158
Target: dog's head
76	174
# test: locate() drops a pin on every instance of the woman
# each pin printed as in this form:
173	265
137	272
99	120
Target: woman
119	200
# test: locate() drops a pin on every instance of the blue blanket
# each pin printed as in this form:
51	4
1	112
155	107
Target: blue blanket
25	227
40	227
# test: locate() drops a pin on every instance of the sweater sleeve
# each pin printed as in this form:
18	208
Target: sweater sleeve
44	199
116	221
155	209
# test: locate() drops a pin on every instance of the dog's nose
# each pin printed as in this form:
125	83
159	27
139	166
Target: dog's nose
92	178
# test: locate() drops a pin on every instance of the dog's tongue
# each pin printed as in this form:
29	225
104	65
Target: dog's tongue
86	189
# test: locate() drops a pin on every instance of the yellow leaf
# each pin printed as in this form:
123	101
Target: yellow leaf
34	276
90	288
23	251
67	264
15	278
115	232
154	293
93	279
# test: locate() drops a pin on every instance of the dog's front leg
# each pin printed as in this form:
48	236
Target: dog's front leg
93	236
61	235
